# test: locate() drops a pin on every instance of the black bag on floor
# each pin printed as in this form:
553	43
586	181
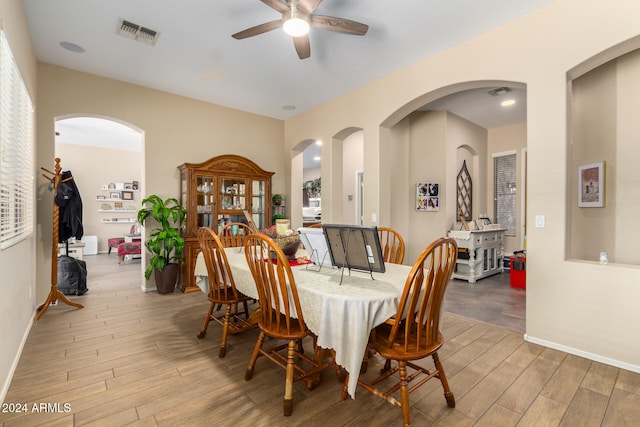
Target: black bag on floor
72	275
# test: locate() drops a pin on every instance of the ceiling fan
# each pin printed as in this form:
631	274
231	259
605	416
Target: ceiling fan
296	20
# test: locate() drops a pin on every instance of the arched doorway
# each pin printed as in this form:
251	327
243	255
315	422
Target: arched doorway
106	157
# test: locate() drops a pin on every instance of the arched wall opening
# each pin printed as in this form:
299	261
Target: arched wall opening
422	145
106	157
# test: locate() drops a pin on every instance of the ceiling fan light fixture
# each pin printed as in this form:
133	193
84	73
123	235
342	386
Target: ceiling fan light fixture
297	25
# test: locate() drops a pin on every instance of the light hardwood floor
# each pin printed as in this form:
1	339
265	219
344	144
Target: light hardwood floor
132	358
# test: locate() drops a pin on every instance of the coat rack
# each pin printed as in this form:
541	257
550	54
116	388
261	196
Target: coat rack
55	294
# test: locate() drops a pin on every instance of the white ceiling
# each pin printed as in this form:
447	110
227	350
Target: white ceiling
195	55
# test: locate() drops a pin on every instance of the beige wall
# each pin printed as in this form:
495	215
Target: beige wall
539	49
176	130
93	167
351	163
17	263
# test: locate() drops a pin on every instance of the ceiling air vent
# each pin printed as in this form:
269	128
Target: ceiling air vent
499	91
137	32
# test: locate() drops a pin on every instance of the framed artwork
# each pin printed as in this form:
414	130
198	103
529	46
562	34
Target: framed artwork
115	195
134	185
591	185
100	197
127	195
427	197
117	205
128	185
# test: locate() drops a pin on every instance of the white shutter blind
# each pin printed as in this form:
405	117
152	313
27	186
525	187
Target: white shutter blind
16	151
504	191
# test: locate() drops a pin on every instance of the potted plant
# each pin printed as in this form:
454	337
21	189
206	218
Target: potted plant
277	199
165	242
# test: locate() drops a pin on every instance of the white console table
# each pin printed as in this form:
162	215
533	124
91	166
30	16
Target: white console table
485	249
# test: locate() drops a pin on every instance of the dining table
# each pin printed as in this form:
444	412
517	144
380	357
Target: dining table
339	307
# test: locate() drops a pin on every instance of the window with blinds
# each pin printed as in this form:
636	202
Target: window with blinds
504	191
16	151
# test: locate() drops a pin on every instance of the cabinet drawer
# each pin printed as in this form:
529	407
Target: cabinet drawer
489	238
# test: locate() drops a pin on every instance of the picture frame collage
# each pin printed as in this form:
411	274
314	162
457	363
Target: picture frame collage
427	197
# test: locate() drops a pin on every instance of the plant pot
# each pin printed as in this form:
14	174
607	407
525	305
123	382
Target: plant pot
167	278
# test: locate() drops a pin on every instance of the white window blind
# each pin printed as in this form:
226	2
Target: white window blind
504	191
16	151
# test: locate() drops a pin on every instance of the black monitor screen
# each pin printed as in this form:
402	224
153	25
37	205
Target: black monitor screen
354	246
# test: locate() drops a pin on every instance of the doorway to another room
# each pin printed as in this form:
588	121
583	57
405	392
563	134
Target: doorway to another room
106	159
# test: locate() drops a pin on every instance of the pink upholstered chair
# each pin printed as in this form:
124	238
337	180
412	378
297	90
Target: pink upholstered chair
114	242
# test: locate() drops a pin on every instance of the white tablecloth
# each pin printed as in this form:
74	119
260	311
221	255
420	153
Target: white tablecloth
341	316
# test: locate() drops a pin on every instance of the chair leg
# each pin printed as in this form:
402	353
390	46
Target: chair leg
109	251
404	393
254	356
345	388
288	385
205	325
448	395
225	332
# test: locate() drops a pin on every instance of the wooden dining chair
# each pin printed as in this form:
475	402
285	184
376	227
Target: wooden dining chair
230	239
413	333
222	290
281	317
316	225
392	245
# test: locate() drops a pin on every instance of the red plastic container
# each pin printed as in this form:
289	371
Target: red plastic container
518	272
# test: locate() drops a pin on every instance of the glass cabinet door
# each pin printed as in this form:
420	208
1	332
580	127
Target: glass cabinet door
232	194
258	207
205	200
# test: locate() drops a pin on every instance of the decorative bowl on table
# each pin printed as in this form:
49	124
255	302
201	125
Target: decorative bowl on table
289	242
289	249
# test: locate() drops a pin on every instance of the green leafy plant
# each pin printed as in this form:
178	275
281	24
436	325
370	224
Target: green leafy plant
277	199
277	216
313	187
165	242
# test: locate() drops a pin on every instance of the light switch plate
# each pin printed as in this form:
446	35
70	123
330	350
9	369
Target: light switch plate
539	221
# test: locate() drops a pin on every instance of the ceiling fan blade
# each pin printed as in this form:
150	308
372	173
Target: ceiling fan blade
302	46
340	25
258	29
310	5
277	5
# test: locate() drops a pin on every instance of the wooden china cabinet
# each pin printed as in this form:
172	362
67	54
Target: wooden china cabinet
216	192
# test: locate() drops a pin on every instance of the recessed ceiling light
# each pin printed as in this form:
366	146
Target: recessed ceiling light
289	107
72	47
318	142
316	158
508	102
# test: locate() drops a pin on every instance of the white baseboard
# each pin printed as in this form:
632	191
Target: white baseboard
585	354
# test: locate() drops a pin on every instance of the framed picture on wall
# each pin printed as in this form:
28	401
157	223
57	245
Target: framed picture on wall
427	197
127	195
114	195
591	185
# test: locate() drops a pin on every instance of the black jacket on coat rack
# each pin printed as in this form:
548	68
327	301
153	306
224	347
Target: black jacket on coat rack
70	203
